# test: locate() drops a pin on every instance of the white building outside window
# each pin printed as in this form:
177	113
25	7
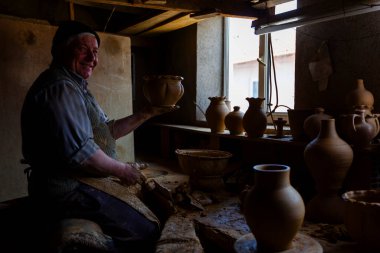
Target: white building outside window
243	64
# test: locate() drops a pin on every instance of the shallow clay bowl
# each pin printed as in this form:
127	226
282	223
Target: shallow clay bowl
203	162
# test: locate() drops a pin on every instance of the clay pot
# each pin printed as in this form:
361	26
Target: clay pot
215	114
206	167
273	209
362	218
359	129
360	96
255	120
279	123
297	118
312	124
328	158
163	90
234	121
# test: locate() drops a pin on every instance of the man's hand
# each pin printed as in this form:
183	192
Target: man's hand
132	174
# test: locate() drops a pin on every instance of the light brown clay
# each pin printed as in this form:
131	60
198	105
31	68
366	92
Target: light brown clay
255	120
328	158
163	90
360	96
273	209
234	121
215	114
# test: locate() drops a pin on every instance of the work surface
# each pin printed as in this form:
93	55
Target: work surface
218	223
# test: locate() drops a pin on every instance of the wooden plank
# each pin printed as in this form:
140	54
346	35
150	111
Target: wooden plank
148	23
170	25
236	8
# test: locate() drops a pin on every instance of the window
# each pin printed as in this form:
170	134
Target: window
251	69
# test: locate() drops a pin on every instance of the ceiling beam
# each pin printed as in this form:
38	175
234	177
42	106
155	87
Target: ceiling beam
172	24
148	23
236	8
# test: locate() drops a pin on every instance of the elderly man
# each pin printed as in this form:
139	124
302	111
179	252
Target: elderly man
67	137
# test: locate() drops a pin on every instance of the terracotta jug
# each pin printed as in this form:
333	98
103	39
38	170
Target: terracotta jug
328	158
360	129
312	124
234	121
360	96
215	114
163	90
255	120
273	209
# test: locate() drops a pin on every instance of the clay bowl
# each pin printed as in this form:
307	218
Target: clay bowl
205	167
362	218
163	90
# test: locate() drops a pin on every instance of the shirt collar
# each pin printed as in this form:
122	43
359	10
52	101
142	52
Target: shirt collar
79	79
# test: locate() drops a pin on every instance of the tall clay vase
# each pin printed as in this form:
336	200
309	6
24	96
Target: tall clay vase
273	209
328	158
216	113
360	96
255	120
234	121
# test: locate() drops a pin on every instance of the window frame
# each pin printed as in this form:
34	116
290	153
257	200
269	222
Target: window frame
264	72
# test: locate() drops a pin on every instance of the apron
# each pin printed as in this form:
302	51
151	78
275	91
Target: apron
111	185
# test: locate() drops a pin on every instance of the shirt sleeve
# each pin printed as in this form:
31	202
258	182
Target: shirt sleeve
69	122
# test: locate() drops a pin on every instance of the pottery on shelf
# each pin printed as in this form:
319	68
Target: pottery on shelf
255	120
273	209
163	90
279	123
328	158
215	114
297	118
234	121
312	124
360	96
359	128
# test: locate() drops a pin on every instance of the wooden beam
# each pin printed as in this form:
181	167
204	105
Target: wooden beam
148	23
175	23
235	8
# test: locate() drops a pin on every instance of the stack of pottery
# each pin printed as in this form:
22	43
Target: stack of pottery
255	120
234	121
328	158
216	113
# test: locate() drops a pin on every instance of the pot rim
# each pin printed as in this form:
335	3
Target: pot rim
281	167
353	196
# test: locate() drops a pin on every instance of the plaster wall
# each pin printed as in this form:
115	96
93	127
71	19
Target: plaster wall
25	52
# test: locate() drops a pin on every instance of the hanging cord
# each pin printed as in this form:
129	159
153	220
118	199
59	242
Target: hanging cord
109	18
271	83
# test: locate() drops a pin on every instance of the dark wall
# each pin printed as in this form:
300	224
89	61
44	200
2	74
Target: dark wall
354	48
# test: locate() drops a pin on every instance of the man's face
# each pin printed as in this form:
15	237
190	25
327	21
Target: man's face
84	56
